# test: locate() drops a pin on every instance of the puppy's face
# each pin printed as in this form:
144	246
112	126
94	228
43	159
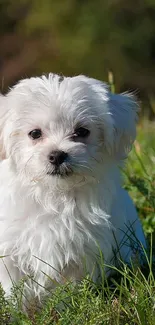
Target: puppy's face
61	129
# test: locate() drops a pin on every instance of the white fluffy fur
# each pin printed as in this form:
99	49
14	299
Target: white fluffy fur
51	224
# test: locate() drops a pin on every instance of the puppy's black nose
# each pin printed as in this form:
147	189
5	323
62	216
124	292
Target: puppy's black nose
57	157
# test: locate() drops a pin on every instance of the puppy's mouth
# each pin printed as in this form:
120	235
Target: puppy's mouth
61	171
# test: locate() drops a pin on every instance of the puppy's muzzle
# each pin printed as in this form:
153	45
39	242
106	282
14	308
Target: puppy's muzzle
57	157
60	164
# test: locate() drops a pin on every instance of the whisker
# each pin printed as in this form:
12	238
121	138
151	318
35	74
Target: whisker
85	166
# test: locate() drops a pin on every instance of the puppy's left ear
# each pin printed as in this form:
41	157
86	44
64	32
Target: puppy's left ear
117	117
123	109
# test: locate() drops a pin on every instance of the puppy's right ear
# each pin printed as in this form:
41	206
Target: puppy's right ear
3	117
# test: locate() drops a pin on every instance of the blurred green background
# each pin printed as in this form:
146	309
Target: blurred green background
81	36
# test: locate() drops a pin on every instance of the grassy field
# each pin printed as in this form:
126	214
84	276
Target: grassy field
129	299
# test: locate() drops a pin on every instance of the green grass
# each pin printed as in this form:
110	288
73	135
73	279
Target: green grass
140	176
129	298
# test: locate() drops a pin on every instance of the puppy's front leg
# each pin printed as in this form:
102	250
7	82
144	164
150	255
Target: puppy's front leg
9	274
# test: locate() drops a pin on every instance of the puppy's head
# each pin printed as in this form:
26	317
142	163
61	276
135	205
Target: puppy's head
54	129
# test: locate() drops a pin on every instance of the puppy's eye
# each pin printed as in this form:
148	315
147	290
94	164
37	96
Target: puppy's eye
35	134
81	133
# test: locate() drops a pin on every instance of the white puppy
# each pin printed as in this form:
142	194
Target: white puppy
61	200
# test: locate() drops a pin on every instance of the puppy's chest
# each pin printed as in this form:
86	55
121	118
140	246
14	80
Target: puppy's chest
58	238
54	238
